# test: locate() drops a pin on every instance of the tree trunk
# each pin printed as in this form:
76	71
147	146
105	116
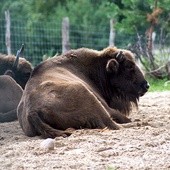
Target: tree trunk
168	69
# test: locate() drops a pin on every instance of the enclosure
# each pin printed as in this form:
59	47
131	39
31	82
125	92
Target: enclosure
141	26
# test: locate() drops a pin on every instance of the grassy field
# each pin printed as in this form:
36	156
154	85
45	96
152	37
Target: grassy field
159	85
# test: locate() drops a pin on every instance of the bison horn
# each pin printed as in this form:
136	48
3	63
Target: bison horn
17	57
119	56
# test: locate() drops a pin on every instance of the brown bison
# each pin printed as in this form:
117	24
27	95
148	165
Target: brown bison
10	95
14	73
20	72
82	88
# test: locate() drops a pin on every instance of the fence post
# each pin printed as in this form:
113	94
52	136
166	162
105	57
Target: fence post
8	33
65	35
112	33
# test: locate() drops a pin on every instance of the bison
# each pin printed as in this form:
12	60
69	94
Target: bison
10	95
82	88
20	72
14	73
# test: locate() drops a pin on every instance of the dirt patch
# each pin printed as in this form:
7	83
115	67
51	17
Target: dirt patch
145	146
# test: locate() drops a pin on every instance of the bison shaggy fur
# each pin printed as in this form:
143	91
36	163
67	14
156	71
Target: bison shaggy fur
14	75
82	88
23	71
10	95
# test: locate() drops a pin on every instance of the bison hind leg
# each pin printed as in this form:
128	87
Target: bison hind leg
53	133
43	129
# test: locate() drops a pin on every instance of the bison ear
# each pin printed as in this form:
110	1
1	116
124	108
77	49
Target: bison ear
120	56
112	66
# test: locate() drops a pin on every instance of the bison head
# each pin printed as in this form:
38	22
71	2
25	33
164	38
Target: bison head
20	73
18	68
126	81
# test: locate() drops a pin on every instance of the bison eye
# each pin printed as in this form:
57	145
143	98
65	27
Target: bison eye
130	66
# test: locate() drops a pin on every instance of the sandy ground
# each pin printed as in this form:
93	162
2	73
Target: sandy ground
144	147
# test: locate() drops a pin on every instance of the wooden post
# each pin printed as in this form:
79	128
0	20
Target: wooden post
168	69
112	33
65	35
8	33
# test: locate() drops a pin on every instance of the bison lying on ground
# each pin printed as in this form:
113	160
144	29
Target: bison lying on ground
21	73
83	88
10	95
14	73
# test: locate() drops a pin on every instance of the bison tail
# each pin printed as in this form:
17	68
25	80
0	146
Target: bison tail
8	116
44	129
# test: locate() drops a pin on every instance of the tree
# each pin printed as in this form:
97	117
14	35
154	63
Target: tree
89	21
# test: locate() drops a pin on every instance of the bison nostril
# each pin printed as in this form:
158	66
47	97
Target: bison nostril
145	85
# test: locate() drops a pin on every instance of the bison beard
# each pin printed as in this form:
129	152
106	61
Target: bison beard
82	88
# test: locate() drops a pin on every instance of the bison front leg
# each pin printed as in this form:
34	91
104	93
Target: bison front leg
116	115
92	113
119	117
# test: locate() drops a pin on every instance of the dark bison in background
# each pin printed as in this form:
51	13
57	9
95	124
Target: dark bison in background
14	74
22	71
82	88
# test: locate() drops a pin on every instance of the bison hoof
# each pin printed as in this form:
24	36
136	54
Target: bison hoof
56	133
123	120
66	134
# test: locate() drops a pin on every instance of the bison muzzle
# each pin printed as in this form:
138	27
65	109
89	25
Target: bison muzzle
82	88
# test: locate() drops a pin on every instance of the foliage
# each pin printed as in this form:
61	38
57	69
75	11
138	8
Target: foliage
127	14
111	168
158	85
87	19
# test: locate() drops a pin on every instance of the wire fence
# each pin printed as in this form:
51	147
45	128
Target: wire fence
43	40
38	40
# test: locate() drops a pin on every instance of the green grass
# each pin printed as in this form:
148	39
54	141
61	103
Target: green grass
158	85
111	168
